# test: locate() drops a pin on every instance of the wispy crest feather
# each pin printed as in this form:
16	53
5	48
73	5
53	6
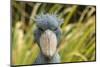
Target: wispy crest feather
45	17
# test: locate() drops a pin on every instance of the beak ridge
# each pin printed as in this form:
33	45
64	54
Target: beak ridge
48	43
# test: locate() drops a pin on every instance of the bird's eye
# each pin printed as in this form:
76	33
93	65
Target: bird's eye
41	29
55	29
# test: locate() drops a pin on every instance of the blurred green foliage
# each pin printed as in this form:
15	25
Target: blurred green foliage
78	41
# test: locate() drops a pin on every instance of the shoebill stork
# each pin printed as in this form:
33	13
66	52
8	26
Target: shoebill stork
47	36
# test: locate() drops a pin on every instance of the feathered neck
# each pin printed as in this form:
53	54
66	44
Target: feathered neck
41	59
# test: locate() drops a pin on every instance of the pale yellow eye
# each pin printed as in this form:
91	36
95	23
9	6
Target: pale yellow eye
48	43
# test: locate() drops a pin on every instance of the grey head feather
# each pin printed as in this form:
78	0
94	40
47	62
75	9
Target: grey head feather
48	20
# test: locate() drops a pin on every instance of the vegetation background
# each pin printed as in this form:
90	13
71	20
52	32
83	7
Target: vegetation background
78	41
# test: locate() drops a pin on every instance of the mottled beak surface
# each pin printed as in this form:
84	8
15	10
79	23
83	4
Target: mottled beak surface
48	43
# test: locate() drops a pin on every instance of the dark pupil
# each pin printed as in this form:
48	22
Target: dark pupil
41	29
55	29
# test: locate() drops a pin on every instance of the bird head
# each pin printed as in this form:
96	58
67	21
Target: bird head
48	33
